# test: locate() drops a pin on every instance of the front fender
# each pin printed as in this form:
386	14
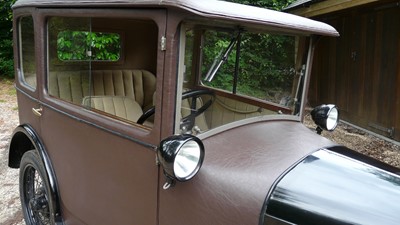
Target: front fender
337	186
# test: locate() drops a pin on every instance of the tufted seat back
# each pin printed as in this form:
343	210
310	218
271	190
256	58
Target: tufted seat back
73	86
124	107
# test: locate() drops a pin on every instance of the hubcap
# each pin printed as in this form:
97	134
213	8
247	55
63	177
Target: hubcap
36	198
39	204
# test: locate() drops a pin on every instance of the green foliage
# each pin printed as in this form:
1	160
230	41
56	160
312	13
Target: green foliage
6	47
269	57
270	4
266	63
7	67
103	47
74	45
215	44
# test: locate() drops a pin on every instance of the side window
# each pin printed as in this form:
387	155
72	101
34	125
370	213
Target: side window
90	65
27	65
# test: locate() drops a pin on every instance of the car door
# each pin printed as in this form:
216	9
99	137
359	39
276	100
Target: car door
105	163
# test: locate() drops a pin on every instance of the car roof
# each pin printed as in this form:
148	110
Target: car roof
214	9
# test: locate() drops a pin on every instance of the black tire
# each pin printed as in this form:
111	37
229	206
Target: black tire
34	191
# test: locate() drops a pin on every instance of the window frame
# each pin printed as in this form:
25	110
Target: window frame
233	93
131	131
303	53
20	67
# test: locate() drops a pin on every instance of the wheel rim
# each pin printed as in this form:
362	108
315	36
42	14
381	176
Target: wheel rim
35	198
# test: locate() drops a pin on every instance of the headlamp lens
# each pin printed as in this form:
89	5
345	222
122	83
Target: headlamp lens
187	161
332	119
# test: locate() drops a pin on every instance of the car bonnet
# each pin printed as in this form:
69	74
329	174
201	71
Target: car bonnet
240	167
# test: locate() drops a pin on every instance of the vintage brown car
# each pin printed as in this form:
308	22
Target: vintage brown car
180	112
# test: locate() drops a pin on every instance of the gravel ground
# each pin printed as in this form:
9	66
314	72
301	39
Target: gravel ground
10	207
362	142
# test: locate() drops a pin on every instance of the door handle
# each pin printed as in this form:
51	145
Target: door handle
37	112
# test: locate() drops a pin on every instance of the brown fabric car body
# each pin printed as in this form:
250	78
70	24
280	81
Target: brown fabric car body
79	112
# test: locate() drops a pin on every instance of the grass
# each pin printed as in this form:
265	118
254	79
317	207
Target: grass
12	92
8	81
6	86
6	90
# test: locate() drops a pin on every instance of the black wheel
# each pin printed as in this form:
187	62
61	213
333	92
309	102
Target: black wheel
34	191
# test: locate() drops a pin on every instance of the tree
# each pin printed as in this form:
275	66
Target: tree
266	60
6	40
6	46
269	4
74	45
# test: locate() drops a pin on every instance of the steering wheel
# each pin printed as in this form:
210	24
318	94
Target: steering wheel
189	120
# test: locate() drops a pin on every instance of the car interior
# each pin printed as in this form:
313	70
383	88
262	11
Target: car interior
104	65
108	66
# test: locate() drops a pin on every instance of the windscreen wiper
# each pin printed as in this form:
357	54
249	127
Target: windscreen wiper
220	59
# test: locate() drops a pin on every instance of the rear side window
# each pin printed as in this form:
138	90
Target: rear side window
90	66
27	64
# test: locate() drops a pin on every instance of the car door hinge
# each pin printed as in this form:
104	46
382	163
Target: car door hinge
163	43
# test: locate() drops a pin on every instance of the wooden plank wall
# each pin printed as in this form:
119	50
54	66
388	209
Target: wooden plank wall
360	70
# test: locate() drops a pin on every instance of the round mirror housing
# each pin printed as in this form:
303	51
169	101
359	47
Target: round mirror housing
326	117
181	156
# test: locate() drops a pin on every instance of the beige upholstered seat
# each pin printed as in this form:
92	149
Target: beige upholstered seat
137	84
70	86
122	93
124	107
73	86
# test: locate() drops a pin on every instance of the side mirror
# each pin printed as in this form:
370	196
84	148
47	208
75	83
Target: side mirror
181	157
326	117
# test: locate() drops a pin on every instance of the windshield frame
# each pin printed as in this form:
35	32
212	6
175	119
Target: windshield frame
302	86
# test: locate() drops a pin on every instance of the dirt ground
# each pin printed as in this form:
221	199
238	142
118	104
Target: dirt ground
10	208
362	142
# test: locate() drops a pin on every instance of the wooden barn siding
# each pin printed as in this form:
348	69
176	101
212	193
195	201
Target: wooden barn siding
360	70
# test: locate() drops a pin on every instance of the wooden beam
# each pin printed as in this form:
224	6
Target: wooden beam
328	7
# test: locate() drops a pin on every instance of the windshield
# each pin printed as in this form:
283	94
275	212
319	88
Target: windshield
232	74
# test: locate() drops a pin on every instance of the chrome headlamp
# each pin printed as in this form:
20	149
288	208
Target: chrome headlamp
181	157
326	117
